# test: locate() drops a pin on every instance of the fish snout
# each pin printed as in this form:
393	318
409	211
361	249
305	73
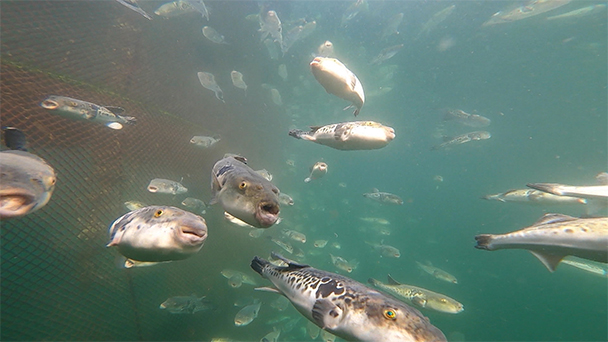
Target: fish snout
16	202
193	232
49	104
390	134
267	213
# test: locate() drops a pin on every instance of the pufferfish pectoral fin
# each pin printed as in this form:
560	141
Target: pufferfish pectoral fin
326	314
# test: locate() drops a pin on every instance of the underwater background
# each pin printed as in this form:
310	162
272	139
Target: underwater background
541	82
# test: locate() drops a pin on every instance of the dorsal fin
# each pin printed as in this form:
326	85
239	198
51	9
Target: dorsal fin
292	265
314	128
553	218
114	109
392	281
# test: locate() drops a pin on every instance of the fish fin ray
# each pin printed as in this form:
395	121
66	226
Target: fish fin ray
326	314
549	260
268	289
292	265
392	281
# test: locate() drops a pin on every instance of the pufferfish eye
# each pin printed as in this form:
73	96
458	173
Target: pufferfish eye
390	314
159	213
243	185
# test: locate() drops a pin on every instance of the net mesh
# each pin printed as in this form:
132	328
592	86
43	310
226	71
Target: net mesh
59	282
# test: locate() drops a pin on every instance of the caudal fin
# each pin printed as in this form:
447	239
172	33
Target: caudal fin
296	133
483	241
258	264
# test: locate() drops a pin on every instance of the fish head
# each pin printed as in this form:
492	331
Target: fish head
252	199
158	233
26	183
385	319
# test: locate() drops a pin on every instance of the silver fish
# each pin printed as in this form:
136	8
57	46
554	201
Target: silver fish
531	9
275	95
351	12
386	250
186	304
464	118
285	199
318	170
535	197
214	36
166	186
246	279
581	12
133	5
320	243
437	272
594	268
204	141
208	81
247	314
270	24
199	6
592	191
344	264
392	25
354	135
243	193
272	336
291	37
174	9
81	110
285	245
337	80
157	234
418	296
237	80
294	235
435	20
344	307
194	204
134	205
553	237
26	180
462	139
326	50
386	54
383	197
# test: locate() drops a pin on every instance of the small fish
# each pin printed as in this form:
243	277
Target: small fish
270	24
386	54
133	5
157	234
204	141
194	204
592	191
326	50
285	245
81	110
343	264
134	205
186	304
383	197
535	197
236	221
237	80
199	6
283	72
581	12
594	268
385	250
378	220
27	181
246	279
392	25
174	9
290	38
243	193
285	199
276	97
553	237
294	235
531	9
339	81
256	232
214	36
461	139
418	296
435	20
345	307
464	118
316	171
272	336
352	11
208	81
354	135
437	272
320	243
280	303
265	173
247	314
165	186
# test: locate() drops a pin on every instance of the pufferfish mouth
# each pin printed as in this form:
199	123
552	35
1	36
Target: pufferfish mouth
267	213
16	202
193	233
49	104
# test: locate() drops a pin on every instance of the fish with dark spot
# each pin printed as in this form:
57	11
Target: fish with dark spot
462	139
345	307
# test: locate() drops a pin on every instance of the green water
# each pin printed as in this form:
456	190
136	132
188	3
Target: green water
542	83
